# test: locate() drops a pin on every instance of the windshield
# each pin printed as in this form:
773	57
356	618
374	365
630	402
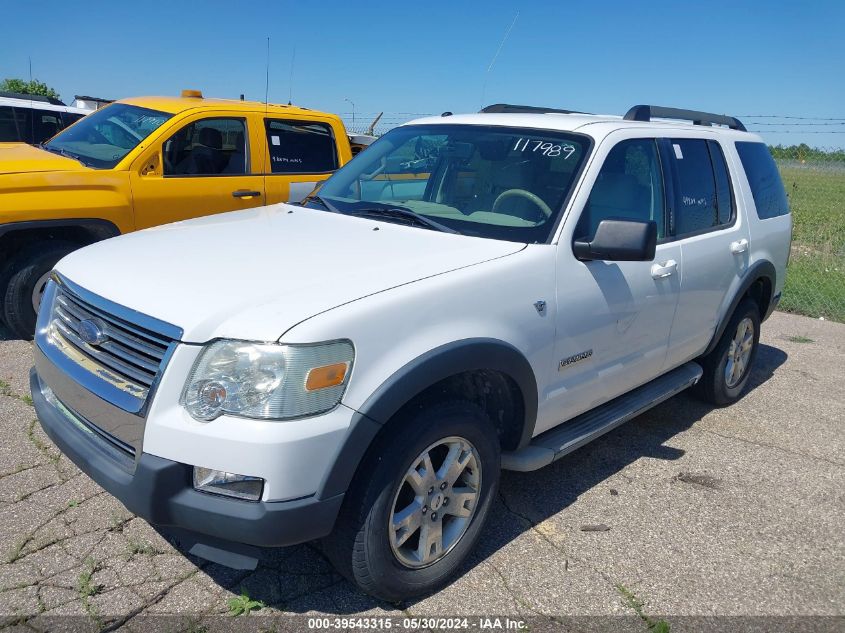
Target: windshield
104	137
498	182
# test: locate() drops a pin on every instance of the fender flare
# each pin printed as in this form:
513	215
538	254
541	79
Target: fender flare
414	378
100	229
759	270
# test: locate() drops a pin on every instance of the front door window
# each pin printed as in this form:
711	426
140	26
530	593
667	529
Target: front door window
208	147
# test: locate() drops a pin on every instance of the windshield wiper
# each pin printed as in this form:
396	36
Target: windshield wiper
64	152
391	212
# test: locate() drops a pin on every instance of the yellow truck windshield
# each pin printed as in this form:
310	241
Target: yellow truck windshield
103	138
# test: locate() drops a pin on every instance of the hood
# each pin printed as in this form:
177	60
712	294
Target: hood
254	274
17	158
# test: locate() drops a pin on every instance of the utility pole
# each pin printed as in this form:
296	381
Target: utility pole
353	111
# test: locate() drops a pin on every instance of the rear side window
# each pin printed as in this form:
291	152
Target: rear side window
764	179
703	197
724	194
9	125
300	147
695	195
16	125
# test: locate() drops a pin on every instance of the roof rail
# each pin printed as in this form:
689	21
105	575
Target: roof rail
499	108
28	97
647	112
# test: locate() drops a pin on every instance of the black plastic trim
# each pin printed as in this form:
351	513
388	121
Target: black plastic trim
647	112
448	360
414	378
761	269
362	432
101	229
509	108
160	491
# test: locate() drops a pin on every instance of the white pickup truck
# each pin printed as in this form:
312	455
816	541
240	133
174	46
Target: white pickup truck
472	293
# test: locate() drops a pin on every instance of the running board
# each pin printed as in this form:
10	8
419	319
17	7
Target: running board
562	440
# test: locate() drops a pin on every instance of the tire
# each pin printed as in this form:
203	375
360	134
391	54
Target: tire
360	546
724	378
24	271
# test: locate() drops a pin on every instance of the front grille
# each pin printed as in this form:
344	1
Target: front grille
129	355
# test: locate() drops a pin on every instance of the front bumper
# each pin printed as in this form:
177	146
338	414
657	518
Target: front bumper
161	492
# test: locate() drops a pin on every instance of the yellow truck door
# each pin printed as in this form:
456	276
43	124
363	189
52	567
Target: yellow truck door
300	152
208	164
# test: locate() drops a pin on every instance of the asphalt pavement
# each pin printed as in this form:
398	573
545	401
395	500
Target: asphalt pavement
685	511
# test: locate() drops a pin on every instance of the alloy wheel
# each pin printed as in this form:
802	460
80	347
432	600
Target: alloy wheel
435	502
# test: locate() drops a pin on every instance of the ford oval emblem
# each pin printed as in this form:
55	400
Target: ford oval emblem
92	331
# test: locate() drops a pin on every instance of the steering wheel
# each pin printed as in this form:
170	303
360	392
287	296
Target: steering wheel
522	193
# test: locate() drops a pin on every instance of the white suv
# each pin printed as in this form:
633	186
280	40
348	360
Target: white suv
471	293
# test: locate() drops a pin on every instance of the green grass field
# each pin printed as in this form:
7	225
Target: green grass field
815	281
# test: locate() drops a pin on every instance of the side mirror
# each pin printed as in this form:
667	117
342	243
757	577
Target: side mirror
621	241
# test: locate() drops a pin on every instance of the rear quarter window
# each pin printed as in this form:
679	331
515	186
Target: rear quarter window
301	147
764	179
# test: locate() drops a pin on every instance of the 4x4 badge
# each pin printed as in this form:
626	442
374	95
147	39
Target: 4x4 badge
574	358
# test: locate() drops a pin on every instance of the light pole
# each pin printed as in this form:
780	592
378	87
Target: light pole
353	111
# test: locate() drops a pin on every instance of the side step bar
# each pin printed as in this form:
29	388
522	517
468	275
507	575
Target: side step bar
562	440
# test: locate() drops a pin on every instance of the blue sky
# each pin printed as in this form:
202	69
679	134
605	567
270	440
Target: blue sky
753	58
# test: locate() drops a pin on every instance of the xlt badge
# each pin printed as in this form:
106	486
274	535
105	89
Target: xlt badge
574	358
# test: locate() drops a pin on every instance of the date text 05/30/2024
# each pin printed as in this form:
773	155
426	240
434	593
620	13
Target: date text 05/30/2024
481	623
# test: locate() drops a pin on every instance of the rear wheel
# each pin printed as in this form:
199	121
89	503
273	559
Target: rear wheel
27	274
419	502
728	366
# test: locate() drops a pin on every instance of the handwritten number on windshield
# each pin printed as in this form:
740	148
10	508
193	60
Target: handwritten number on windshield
543	147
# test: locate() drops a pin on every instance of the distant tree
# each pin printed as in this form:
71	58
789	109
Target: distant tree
804	153
33	87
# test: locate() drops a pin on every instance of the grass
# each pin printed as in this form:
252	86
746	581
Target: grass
244	605
800	339
135	546
631	601
87	588
85	584
815	281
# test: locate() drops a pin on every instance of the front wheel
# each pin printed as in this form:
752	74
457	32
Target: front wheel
419	502
728	366
28	272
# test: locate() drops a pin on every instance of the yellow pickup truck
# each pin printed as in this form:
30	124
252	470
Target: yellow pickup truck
146	161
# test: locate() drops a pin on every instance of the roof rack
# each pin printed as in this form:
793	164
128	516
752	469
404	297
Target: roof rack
28	97
499	108
647	112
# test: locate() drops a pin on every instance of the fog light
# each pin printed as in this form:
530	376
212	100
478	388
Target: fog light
219	482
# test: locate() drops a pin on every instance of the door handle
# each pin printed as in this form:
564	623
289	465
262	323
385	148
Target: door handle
245	193
666	269
740	246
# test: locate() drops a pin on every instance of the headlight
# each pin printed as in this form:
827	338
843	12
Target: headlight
267	381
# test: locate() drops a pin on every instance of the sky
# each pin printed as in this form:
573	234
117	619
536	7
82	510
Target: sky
404	58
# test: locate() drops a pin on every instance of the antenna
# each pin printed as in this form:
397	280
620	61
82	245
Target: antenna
290	82
266	108
267	78
495	57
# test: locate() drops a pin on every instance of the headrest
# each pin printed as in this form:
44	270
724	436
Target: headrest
615	191
211	138
512	175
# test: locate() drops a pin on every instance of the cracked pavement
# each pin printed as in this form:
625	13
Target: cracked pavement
709	512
